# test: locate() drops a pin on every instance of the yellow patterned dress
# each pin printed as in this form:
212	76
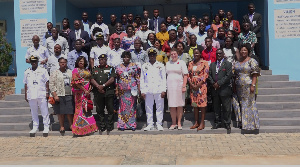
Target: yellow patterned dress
244	103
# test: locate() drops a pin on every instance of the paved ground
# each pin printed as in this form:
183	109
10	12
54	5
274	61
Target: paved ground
136	149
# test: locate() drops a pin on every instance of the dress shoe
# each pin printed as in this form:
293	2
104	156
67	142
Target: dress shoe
45	132
133	129
172	127
122	129
216	126
228	128
194	126
159	127
62	132
33	132
149	128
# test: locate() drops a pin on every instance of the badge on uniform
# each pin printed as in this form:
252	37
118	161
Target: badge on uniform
96	72
34	82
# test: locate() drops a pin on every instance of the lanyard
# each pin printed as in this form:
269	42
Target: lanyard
209	54
181	56
247	35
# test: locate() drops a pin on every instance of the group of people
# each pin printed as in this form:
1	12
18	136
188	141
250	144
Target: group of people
153	59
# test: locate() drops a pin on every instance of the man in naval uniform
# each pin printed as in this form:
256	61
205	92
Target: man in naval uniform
36	80
153	88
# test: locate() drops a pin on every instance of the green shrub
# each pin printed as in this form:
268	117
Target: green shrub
6	54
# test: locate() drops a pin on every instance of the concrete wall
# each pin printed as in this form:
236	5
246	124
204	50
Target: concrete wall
21	51
284	53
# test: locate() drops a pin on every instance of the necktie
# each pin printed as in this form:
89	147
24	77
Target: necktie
77	34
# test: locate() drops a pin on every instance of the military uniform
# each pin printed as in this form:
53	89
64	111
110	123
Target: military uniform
101	76
36	80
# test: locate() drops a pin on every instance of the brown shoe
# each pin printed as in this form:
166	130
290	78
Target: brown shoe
194	126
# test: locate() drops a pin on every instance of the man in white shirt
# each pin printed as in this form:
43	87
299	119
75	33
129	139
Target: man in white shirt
55	39
144	32
114	56
36	80
99	23
98	50
201	35
53	60
153	85
38	50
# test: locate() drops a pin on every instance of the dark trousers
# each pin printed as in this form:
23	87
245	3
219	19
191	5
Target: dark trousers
101	101
226	108
257	52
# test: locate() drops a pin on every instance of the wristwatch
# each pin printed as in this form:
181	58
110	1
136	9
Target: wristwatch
103	85
253	85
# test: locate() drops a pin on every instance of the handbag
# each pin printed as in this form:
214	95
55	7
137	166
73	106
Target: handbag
90	105
139	109
51	100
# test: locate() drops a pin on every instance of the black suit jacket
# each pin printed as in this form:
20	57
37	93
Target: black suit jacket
223	78
151	23
82	27
84	35
256	29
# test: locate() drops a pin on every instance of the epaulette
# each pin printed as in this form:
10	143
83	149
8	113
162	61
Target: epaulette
95	67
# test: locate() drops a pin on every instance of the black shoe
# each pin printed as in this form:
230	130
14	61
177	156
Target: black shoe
228	128
216	126
62	132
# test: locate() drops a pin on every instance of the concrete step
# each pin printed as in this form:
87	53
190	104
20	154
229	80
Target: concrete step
186	130
266	72
15	97
278	84
273	78
295	121
277	105
279	98
15	111
271	91
279	113
14	104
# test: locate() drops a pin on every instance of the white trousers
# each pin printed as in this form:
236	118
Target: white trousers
149	101
35	104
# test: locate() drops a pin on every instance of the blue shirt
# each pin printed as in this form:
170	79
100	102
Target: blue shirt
72	57
86	27
207	27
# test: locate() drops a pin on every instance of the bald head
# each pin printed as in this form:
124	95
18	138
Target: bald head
36	40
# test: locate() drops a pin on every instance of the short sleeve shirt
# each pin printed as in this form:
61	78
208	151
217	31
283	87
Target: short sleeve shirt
36	83
102	75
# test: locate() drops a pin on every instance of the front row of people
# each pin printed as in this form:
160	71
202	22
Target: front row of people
232	84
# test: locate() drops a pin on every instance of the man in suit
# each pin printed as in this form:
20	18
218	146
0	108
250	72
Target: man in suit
256	22
79	34
86	24
220	73
154	24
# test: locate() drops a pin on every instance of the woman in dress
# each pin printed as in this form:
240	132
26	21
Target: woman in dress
181	55
66	28
216	25
127	89
230	52
161	55
246	71
248	36
83	122
163	35
186	24
234	24
149	41
198	73
60	87
176	85
168	45
194	29
182	37
128	41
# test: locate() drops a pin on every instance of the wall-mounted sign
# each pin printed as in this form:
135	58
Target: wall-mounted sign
33	6
31	27
286	1
287	23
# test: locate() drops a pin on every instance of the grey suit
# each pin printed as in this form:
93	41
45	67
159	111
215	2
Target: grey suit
222	95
